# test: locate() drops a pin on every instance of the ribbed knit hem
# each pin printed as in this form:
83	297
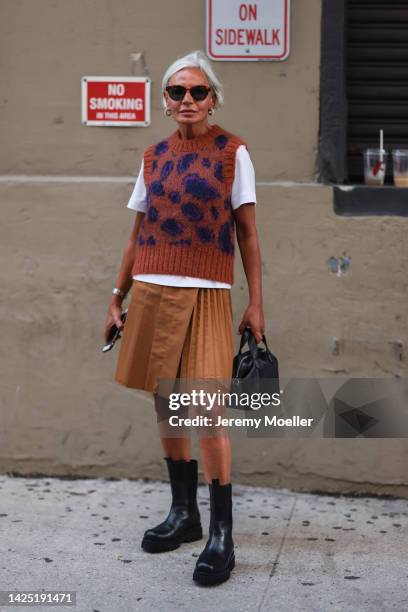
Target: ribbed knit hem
201	262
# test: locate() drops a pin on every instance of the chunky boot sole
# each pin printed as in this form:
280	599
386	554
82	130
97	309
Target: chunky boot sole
207	579
157	546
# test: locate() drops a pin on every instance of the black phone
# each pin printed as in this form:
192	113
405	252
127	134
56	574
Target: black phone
114	334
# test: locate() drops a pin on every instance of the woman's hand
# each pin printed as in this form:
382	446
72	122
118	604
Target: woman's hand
114	312
253	317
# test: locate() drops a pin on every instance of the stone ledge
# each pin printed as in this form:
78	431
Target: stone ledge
362	200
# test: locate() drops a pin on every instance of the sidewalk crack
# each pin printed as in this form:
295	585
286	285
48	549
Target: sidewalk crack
278	554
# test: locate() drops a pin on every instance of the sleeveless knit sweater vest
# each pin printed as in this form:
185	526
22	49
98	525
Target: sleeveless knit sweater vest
189	228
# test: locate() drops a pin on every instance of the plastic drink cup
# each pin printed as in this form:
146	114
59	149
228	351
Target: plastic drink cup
400	166
375	161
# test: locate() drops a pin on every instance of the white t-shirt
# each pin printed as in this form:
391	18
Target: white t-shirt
243	191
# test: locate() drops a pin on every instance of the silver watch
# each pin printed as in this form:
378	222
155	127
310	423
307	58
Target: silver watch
119	292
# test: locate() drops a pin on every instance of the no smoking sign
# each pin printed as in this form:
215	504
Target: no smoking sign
116	101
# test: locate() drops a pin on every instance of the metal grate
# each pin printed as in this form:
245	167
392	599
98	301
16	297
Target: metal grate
377	79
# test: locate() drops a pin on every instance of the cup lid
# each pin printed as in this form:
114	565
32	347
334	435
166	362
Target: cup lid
375	151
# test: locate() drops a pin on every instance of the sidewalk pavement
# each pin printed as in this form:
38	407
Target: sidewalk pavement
294	551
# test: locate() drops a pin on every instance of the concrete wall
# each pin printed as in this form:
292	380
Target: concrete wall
61	242
50	44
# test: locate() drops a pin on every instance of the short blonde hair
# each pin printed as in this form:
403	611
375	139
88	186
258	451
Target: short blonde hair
196	59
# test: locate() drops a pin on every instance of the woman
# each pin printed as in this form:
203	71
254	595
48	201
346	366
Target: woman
193	188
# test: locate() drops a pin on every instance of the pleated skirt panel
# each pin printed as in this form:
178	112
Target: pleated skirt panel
175	332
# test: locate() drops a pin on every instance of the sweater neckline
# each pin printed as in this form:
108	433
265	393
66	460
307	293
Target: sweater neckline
177	143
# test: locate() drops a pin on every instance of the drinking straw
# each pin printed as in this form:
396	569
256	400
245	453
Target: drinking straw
381	144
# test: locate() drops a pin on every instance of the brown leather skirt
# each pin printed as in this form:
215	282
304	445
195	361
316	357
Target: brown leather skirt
175	332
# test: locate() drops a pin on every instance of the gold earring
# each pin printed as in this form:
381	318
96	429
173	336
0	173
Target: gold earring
210	111
167	112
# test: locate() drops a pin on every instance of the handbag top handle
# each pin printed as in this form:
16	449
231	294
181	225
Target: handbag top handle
248	336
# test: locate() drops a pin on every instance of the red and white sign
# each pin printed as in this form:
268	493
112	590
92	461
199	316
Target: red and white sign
122	101
248	31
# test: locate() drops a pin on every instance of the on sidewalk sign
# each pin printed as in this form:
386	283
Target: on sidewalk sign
248	31
120	101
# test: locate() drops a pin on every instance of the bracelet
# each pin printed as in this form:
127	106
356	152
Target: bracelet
119	292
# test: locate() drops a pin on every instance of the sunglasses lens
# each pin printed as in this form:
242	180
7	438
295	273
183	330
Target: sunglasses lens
199	92
176	92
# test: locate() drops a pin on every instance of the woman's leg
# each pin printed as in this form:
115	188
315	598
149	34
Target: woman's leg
214	440
175	448
216	561
183	520
215	455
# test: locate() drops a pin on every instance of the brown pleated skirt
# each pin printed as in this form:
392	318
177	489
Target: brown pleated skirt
175	332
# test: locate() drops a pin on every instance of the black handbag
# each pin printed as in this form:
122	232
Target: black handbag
255	370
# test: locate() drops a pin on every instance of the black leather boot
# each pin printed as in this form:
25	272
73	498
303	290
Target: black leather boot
217	559
183	520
